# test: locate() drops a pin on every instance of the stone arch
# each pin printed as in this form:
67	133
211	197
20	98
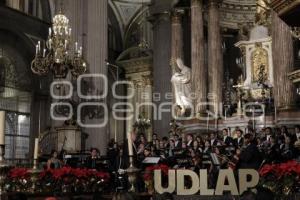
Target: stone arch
18	50
43	7
115	27
135	25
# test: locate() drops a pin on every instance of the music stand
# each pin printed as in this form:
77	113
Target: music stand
151	160
215	160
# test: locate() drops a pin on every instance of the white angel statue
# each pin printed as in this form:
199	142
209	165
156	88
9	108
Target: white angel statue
181	81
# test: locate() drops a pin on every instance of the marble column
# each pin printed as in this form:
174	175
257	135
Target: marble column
215	57
147	99
162	72
74	10
176	34
283	62
199	71
131	101
96	54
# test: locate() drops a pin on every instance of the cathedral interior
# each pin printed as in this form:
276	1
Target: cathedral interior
78	74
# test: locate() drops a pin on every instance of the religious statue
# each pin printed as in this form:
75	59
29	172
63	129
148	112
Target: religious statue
181	81
262	12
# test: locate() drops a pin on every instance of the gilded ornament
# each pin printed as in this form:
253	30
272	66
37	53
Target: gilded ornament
262	12
260	63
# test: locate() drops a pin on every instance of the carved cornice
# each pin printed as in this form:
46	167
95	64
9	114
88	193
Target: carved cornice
217	3
158	17
233	13
295	76
147	79
177	16
141	80
137	65
284	6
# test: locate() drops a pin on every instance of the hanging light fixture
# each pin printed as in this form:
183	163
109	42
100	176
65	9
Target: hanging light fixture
57	56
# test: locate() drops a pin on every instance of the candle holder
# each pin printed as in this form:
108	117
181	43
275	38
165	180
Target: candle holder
132	175
34	175
4	168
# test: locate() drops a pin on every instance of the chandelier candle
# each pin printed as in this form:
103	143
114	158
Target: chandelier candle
130	148
80	52
36	149
36	49
39	46
2	127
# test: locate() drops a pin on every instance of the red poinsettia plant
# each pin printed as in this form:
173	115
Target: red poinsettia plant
18	173
148	174
281	169
77	173
281	178
75	179
18	179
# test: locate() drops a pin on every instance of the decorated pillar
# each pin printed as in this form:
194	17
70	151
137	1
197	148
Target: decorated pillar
199	71
215	56
284	94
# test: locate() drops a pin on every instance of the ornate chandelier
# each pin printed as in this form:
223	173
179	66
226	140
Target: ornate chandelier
56	56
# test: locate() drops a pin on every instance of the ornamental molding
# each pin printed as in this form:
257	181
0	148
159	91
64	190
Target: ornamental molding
140	80
137	65
233	13
295	76
283	6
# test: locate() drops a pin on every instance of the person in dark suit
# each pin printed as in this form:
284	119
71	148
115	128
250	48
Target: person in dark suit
227	140
297	132
189	140
112	153
267	138
288	150
92	162
213	139
239	141
273	152
250	157
177	143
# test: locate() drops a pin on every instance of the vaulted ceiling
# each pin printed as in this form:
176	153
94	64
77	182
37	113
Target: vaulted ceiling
127	11
233	12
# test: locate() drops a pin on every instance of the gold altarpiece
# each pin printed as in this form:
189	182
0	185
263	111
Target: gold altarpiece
258	64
